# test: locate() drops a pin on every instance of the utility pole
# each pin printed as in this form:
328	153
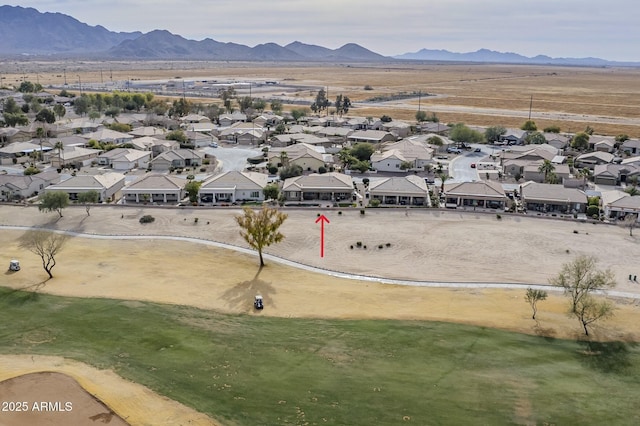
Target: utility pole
419	99
530	105
64	70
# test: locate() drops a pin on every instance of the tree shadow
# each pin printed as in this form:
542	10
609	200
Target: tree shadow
241	295
547	333
606	357
24	295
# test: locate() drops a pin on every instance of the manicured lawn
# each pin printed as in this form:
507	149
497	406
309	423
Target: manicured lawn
253	370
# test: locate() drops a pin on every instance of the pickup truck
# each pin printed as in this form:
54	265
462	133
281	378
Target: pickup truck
452	150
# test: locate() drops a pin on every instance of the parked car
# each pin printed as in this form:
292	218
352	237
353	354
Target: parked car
477	150
213	145
473	165
452	150
429	180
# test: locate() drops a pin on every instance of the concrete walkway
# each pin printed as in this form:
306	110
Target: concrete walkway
283	261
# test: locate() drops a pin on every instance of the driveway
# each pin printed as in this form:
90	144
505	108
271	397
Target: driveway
233	158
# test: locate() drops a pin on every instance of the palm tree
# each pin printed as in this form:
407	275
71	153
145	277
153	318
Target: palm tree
585	173
284	159
443	177
40	133
60	147
547	168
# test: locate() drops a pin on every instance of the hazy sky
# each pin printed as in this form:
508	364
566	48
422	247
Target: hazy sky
558	28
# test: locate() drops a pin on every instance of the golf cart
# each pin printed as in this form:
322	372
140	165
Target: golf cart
14	265
257	302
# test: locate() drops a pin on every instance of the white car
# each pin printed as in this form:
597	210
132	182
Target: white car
213	145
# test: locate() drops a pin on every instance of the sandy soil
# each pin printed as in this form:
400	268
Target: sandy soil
39	379
426	245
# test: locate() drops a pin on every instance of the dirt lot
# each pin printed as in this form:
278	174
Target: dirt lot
426	245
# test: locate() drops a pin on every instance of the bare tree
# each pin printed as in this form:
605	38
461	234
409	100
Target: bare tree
44	244
533	297
88	198
580	279
630	221
260	229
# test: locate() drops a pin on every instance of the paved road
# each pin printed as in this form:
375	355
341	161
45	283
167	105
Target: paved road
233	158
326	271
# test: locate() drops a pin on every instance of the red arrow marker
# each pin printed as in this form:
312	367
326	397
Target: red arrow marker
322	219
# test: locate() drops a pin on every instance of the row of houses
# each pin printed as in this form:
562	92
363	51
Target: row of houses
238	187
228	187
536	198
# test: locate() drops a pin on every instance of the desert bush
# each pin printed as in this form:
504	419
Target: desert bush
147	219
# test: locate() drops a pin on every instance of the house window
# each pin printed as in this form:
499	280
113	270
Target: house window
255	194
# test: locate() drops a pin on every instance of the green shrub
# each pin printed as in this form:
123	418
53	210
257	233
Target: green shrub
374	203
593	211
498	216
147	219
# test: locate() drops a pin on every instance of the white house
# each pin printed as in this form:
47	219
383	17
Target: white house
233	186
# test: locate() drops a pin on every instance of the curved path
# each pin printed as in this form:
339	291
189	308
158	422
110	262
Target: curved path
309	268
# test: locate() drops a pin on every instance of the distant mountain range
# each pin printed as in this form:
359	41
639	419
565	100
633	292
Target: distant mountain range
26	31
485	55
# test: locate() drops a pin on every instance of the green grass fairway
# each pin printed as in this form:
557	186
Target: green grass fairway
252	370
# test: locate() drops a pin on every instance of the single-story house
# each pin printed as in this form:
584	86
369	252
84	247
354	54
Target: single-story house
411	150
105	135
591	159
408	190
371	136
156	146
309	157
177	158
229	119
17	187
548	198
485	194
125	159
18	152
194	118
603	145
388	161
233	186
71	156
556	140
326	187
532	172
615	174
292	139
398	128
631	146
617	204
107	185
149	131
72	141
155	188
